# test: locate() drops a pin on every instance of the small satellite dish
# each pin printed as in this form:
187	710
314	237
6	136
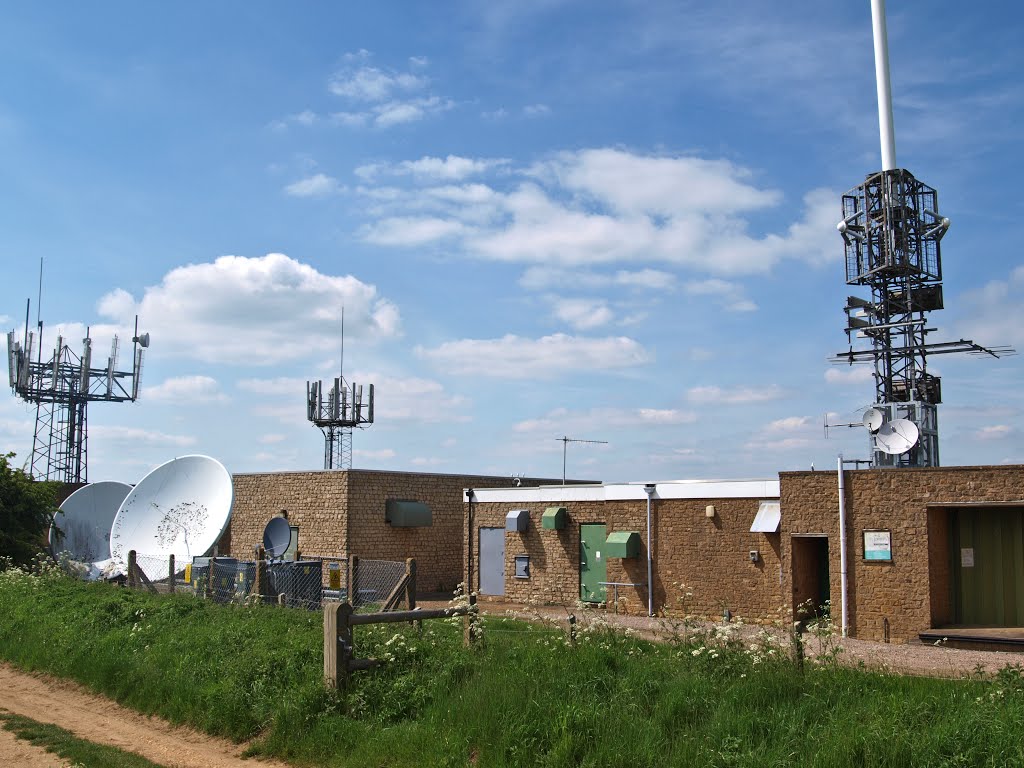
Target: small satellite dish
873	419
897	436
181	508
82	527
277	535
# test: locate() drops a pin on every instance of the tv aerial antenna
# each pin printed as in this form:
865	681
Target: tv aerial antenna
891	229
61	387
565	444
338	410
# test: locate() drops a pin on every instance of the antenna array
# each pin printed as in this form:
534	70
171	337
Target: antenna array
336	412
891	229
61	387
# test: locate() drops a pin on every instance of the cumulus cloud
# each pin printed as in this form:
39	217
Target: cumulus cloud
383	97
712	395
450	168
382	453
994	432
516	357
729	294
318	185
854	374
581	314
128	436
994	314
565	420
611	206
553	277
195	390
256	311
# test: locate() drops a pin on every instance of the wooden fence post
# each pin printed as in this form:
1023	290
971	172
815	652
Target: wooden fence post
260	579
132	579
337	643
170	574
572	629
410	584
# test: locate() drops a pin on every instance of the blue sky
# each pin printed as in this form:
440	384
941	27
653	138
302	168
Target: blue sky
612	221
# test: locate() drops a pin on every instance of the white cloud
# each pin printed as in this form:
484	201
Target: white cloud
186	390
317	185
519	358
738	396
610	206
994	432
135	435
432	461
256	311
536	110
554	277
854	374
566	421
789	424
385	97
994	314
450	168
729	294
282	386
581	314
272	439
305	118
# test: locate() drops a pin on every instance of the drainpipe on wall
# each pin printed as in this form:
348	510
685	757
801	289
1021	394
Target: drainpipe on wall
649	490
469	543
842	544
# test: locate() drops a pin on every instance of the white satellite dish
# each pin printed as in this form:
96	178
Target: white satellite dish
81	529
181	508
873	419
897	436
277	535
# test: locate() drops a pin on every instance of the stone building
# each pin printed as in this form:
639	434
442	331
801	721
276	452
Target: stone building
924	548
376	515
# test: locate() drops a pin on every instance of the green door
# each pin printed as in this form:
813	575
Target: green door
593	567
988	566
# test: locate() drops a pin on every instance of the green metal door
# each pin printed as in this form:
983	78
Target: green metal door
593	566
988	566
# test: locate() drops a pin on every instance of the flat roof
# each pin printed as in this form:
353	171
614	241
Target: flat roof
672	489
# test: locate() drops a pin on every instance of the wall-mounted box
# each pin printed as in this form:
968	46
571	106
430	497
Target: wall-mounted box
407	514
522	566
622	544
517	521
555	518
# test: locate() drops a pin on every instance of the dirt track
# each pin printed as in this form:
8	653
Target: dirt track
99	720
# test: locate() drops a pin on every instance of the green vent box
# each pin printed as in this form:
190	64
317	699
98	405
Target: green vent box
555	518
622	544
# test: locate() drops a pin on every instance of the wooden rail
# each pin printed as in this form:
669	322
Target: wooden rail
339	621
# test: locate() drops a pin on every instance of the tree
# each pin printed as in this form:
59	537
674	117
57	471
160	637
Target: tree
27	508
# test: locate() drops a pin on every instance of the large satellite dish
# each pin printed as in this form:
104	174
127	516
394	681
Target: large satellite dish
897	436
81	530
873	419
276	537
181	508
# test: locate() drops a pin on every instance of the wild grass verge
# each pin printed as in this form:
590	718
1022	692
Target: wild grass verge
523	695
65	744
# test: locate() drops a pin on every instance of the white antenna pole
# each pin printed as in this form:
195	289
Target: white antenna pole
885	125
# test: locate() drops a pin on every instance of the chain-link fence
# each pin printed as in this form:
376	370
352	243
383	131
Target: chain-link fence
371	585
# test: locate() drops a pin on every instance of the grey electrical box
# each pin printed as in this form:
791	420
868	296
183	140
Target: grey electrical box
517	521
522	566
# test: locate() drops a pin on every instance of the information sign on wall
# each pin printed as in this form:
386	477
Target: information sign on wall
878	546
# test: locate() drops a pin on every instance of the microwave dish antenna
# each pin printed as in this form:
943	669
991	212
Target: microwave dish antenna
81	529
277	535
181	508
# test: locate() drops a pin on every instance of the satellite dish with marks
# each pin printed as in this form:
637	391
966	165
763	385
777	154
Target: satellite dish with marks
181	508
81	529
897	436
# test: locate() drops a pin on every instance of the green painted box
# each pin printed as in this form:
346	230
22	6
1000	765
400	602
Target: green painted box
555	518
622	544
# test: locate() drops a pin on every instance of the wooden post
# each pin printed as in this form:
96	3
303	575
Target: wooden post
353	596
337	643
410	586
260	581
170	574
132	579
468	633
572	629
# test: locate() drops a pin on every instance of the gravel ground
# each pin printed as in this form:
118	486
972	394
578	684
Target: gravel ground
906	658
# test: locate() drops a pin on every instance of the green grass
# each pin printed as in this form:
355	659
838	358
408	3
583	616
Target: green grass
522	696
78	752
